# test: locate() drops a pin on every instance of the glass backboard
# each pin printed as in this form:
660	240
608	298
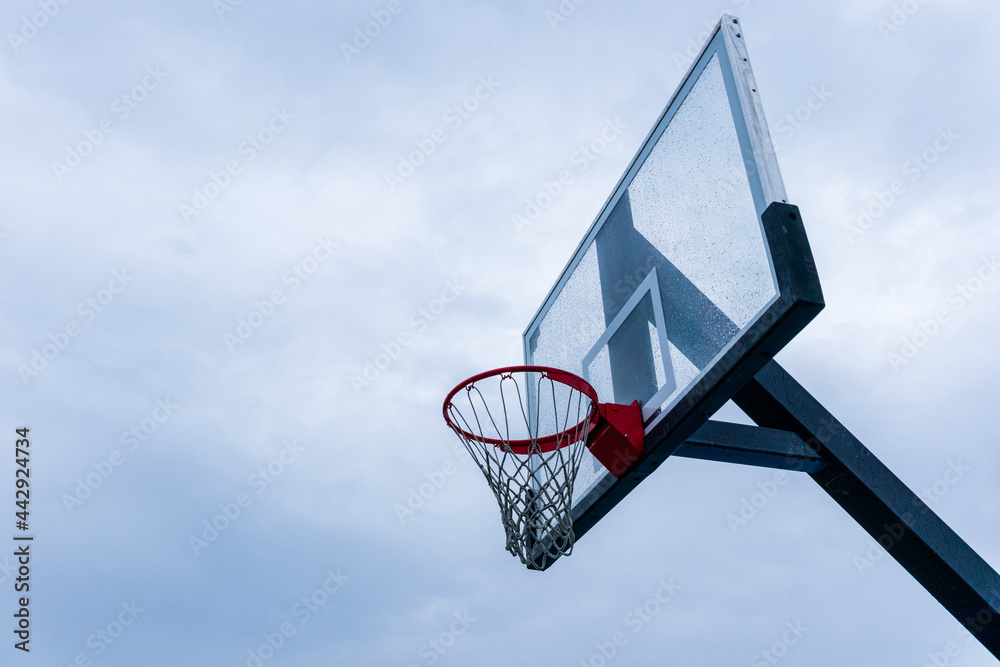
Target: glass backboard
678	286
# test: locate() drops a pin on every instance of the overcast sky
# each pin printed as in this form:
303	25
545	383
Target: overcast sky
211	223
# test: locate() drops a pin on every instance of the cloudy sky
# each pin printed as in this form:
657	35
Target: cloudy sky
211	225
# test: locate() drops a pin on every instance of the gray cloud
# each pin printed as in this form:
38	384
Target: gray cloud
324	176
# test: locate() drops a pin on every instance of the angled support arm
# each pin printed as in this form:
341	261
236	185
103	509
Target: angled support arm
750	445
886	508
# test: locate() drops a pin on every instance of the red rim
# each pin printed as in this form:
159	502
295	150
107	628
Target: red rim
524	446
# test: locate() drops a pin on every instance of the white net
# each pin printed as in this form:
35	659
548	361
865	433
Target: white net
527	431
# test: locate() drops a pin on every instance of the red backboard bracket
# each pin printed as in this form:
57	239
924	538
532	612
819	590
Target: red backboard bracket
616	440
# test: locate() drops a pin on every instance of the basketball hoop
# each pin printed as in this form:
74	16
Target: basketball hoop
527	428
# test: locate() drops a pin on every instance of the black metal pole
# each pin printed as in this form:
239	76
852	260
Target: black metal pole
885	507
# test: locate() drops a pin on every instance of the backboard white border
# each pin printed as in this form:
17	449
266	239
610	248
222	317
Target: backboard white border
651	286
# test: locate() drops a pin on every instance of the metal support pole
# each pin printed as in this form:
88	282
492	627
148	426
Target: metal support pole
886	508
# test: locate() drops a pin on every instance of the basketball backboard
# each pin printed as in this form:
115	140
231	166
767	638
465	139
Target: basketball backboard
689	280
